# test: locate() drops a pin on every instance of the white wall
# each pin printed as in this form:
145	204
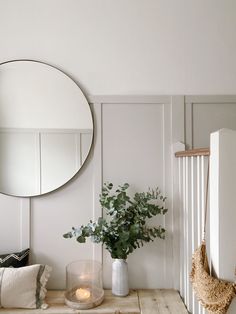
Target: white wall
116	47
128	47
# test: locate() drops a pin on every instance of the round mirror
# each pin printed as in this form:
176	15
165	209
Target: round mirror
46	128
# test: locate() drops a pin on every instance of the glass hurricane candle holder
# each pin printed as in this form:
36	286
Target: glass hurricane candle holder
84	288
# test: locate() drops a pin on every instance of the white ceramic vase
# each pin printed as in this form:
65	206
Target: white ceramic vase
120	285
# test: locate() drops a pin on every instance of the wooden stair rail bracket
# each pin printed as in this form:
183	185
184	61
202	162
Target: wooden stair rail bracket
193	152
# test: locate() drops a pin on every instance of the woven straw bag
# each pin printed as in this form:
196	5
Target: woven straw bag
214	294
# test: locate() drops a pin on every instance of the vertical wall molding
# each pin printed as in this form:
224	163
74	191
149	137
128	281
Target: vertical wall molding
98	178
38	161
177	144
189	125
177	218
78	150
167	178
25	224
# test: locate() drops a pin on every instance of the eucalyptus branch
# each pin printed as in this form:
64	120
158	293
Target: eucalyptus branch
126	228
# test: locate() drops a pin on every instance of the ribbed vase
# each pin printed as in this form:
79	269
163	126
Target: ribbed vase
120	285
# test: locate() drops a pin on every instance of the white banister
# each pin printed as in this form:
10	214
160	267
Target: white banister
192	169
223	205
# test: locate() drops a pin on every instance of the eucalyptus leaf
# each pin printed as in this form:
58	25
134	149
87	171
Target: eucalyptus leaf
81	239
67	235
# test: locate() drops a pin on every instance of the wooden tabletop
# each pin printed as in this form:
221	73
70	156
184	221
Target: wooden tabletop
137	302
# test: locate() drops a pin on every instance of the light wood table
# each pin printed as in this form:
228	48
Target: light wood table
137	302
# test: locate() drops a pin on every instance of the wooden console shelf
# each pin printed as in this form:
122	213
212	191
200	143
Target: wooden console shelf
138	302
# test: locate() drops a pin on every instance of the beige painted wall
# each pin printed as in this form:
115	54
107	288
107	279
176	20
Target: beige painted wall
128	47
115	47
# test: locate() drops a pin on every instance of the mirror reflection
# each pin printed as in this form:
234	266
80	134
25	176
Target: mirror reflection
46	128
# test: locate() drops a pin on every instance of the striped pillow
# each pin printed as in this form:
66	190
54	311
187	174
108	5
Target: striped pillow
24	287
15	260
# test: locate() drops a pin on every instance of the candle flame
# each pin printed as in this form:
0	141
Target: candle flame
82	294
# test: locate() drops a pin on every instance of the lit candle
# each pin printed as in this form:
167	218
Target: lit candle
82	294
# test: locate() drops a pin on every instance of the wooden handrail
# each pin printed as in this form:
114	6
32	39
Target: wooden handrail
193	152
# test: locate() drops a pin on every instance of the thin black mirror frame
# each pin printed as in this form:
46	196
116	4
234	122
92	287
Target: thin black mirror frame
92	141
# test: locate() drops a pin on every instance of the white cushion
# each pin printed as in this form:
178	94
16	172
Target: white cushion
24	287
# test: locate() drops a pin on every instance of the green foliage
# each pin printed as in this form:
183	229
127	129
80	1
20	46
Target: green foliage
124	228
